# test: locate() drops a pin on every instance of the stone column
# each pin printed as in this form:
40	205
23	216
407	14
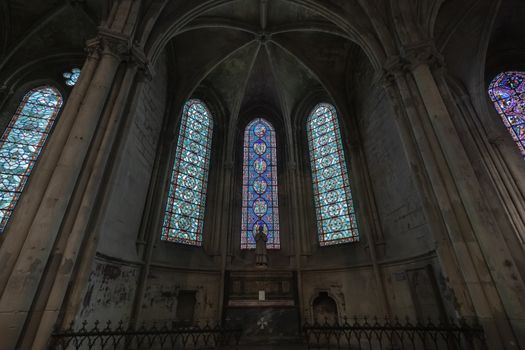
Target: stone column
469	245
82	228
30	266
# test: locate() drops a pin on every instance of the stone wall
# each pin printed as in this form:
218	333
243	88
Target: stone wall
110	292
399	207
163	289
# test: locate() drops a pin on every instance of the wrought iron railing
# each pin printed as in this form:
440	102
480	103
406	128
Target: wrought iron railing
364	333
166	336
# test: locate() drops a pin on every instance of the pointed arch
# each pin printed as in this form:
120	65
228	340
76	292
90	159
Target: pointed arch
507	91
335	212
184	214
22	142
259	192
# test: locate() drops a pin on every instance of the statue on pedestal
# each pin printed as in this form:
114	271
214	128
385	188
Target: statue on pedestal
261	255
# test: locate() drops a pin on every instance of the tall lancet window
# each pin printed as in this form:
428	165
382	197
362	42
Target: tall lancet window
336	218
507	91
259	192
22	142
184	216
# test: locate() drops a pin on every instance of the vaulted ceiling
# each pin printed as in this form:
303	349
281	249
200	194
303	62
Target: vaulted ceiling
259	52
262	53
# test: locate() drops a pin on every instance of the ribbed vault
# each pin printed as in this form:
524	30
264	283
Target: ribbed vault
266	53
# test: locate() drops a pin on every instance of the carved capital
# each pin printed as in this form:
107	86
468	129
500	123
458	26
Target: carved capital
109	43
424	53
93	48
394	66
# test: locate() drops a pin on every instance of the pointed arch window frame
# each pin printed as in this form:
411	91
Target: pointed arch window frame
322	197
22	143
254	192
190	166
506	90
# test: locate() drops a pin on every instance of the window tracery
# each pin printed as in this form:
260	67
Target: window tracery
336	217
259	193
184	215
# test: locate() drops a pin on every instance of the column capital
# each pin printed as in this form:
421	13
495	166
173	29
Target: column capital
411	57
109	43
120	46
394	66
424	52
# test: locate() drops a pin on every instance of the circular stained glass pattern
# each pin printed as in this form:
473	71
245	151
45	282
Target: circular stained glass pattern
259	130
326	161
328	172
330	184
334	209
332	197
260	186
260	207
188	195
183	223
336	224
186	208
260	165
259	147
189	182
192	158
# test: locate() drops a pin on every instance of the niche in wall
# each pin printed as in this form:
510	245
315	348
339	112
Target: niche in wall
325	308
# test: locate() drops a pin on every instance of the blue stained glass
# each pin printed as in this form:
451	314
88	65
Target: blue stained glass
22	142
72	77
507	91
184	216
336	217
259	194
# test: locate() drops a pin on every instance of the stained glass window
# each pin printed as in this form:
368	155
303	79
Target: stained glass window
259	193
22	142
184	216
72	77
336	218
507	91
